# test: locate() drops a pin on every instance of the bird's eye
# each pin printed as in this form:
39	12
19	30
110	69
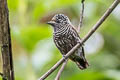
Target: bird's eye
58	21
58	17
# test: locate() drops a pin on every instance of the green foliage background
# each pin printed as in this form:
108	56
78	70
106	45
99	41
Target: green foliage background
33	48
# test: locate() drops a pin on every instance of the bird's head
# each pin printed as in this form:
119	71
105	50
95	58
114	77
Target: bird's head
59	19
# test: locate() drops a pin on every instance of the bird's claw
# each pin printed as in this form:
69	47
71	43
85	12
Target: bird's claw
80	42
64	57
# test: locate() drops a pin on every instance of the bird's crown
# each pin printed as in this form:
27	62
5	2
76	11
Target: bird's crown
60	18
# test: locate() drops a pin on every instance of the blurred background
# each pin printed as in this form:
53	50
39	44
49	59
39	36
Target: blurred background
34	51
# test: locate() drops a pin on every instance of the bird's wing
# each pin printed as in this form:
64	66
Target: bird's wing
80	50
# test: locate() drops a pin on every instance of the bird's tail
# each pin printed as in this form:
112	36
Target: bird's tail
82	63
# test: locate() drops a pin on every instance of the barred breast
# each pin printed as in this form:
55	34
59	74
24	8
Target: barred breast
66	40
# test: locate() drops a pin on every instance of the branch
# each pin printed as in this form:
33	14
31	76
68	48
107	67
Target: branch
61	70
81	16
5	41
95	27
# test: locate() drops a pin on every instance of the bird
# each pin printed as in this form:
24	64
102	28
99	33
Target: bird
65	37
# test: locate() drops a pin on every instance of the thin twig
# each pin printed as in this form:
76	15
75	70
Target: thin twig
81	16
97	25
61	70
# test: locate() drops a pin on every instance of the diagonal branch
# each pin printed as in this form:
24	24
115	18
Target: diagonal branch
95	27
81	16
101	20
61	70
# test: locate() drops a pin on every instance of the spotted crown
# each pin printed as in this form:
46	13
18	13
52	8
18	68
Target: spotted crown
60	18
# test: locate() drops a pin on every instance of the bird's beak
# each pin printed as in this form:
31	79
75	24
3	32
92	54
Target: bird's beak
51	22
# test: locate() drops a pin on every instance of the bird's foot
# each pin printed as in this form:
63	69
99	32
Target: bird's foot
64	57
80	42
